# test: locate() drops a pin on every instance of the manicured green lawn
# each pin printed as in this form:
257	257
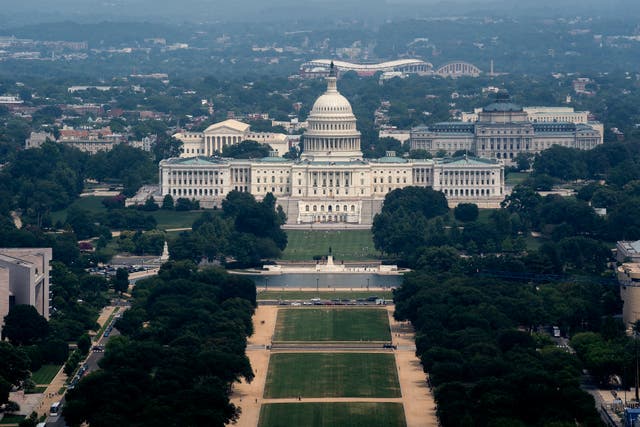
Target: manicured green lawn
515	178
38	389
166	219
345	245
332	375
12	419
332	414
332	324
92	204
45	374
175	219
328	295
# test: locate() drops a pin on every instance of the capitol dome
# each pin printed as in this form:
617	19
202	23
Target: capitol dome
331	102
331	133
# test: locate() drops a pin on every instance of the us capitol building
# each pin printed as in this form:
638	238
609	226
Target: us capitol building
331	183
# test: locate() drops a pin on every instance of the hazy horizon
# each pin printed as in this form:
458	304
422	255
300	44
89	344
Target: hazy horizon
35	11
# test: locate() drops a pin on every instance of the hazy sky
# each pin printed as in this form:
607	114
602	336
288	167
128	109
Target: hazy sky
32	11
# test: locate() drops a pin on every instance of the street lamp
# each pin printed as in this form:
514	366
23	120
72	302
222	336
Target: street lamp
266	283
367	283
318	285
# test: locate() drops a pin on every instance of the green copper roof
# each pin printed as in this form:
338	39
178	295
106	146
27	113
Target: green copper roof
468	160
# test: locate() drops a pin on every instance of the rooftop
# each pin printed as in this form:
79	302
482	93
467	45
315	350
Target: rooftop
468	160
502	103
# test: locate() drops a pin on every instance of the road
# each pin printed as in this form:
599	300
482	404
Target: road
92	365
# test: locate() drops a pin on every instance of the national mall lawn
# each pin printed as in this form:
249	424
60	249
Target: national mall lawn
332	324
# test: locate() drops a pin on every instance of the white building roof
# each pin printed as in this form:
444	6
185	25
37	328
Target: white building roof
232	124
381	66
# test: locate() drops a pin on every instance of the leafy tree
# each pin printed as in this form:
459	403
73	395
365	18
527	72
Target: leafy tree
84	344
167	202
189	309
523	161
246	150
24	325
466	212
183	204
121	280
14	367
149	205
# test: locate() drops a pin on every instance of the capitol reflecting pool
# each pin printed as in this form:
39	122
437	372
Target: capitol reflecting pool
326	280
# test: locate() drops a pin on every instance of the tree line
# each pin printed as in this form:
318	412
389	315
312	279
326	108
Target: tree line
242	234
183	343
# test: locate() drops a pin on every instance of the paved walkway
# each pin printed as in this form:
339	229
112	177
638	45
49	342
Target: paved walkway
335	400
249	396
419	405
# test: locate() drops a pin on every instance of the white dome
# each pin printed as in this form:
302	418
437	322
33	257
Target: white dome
331	102
332	133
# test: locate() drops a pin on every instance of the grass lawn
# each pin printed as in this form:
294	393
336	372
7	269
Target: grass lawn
37	390
165	219
45	374
305	295
175	219
345	245
515	178
332	414
332	375
92	204
332	324
12	419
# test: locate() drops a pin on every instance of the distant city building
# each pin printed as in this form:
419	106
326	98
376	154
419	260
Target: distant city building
73	89
628	254
580	86
401	135
36	139
502	130
145	144
388	75
321	67
24	279
539	114
213	139
390	69
90	141
292	125
10	99
332	184
627	251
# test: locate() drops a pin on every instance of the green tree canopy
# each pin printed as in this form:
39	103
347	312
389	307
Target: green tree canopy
24	325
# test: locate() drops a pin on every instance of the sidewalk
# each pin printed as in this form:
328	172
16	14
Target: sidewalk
52	393
419	405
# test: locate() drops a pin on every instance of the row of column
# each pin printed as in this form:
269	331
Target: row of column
329	144
217	143
331	179
458	178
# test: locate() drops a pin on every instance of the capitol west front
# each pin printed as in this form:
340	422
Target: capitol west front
331	183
